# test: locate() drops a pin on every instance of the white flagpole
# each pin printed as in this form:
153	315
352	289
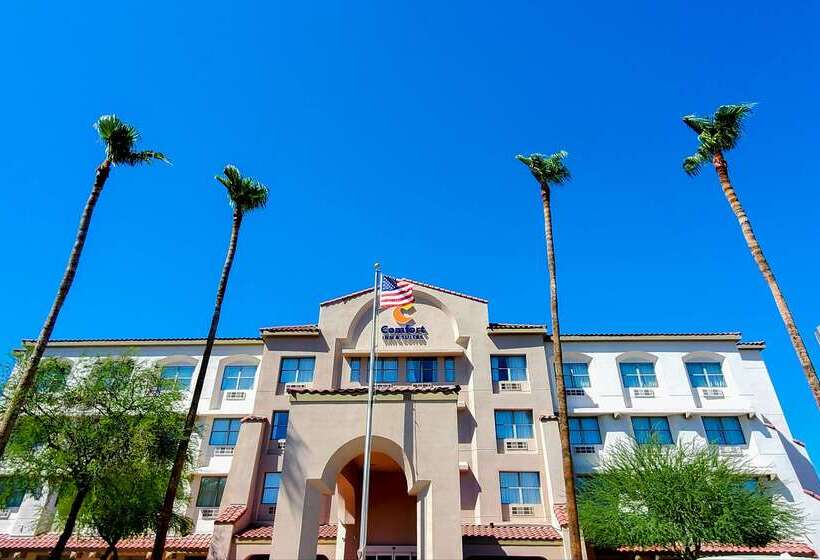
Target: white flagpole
369	429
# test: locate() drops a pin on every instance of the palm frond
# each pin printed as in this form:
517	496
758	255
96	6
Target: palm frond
547	170
120	140
718	133
244	193
698	124
693	164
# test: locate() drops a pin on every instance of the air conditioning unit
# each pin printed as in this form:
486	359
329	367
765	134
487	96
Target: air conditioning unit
583	449
522	511
516	445
294	386
276	446
235	395
640	393
208	514
382	386
512	386
5	513
271	510
223	451
712	393
575	392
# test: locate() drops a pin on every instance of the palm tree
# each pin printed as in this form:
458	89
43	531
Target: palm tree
120	139
718	134
549	171
244	194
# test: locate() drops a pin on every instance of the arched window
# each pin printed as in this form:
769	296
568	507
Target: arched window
181	374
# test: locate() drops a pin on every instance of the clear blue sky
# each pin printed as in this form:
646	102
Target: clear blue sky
387	131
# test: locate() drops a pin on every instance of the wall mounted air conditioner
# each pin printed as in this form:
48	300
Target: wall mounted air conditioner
583	449
208	514
641	393
520	510
235	395
513	386
575	392
709	393
223	451
513	445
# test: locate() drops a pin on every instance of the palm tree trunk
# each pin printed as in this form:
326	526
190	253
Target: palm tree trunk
165	514
71	520
108	551
23	388
722	169
563	420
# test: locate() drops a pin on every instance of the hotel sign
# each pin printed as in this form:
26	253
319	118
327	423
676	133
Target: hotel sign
407	329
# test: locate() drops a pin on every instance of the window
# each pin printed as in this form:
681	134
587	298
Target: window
723	430
297	370
387	370
649	428
14	494
449	370
279	425
513	424
705	374
238	378
356	369
638	374
225	431
584	431
210	491
270	490
52	375
520	487
422	370
181	375
509	368
576	376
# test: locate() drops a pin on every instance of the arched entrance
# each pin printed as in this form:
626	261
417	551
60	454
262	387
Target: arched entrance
392	512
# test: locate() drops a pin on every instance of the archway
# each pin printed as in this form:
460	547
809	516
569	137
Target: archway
391	515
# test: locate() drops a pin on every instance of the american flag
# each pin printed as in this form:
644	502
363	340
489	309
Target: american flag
395	293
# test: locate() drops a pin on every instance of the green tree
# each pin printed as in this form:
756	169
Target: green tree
717	135
83	426
550	171
120	140
244	195
680	497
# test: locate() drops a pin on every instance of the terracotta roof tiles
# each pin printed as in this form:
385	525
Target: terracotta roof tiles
379	390
192	542
512	532
231	513
560	514
794	548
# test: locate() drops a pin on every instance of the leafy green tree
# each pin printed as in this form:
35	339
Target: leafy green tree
550	171
244	195
680	497
120	140
717	135
83	426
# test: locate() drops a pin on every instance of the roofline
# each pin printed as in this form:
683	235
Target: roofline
115	342
291	330
593	337
352	295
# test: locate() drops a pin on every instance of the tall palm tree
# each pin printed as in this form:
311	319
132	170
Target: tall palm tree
244	194
120	140
719	134
549	171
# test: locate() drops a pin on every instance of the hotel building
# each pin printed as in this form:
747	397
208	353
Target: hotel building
466	456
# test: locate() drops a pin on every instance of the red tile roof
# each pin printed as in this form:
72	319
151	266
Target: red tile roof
192	542
512	532
380	390
560	514
312	329
503	532
231	513
794	548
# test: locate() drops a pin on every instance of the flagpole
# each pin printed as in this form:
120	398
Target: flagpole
369	429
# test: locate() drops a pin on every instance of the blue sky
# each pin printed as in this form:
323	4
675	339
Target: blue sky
387	132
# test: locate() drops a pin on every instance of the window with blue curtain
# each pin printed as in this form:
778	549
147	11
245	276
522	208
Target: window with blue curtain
509	368
297	370
576	375
513	424
649	428
449	370
520	487
14	493
387	370
270	489
584	431
238	378
279	424
422	370
210	491
638	374
225	431
705	374
181	375
356	369
724	430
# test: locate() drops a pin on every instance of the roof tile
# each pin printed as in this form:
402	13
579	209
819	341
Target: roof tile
380	390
